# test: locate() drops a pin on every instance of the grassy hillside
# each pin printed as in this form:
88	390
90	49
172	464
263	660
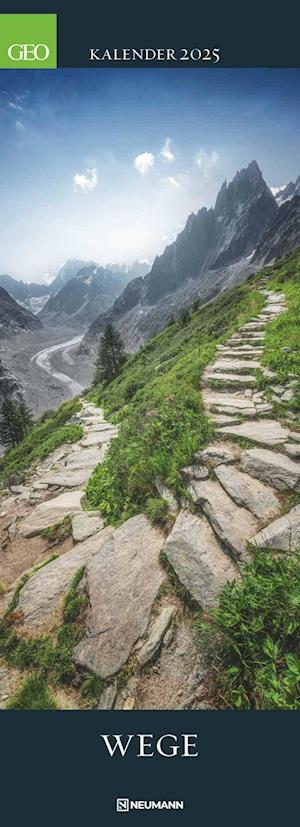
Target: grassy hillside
157	402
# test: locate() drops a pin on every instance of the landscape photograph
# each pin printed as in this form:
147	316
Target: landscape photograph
150	389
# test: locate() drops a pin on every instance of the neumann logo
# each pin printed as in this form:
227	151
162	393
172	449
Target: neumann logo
28	41
126	805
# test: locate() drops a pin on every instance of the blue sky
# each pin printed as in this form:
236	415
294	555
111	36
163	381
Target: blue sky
106	164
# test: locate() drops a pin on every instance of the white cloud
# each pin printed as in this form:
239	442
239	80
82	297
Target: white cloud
15	106
144	162
207	161
173	182
20	126
87	182
166	151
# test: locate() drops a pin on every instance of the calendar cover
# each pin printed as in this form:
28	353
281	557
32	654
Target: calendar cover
149	414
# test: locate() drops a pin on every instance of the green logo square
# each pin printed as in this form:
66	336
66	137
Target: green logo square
28	41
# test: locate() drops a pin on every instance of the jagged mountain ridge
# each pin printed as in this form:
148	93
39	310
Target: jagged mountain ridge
83	297
14	318
289	191
67	272
211	253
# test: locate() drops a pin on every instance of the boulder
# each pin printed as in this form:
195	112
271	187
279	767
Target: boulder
123	581
198	560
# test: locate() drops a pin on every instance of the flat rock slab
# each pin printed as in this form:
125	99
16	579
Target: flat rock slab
234	525
98	438
85	525
198	560
123	581
197	472
292	450
152	646
272	467
42	594
218	454
51	512
68	478
235	364
269	432
222	419
86	458
229	379
283	534
230	400
257	497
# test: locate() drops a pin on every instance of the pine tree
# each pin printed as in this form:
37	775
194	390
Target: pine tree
111	355
15	422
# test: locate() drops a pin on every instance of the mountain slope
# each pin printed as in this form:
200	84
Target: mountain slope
282	235
31	295
14	318
202	261
82	298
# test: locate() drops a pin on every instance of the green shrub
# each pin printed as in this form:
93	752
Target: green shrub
253	637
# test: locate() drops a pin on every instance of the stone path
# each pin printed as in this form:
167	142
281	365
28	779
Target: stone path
237	489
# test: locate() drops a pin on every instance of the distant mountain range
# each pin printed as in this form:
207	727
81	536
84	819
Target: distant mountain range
83	297
218	248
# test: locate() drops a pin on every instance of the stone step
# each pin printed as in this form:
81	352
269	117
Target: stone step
233	524
85	458
242	340
220	453
198	560
272	467
229	403
67	478
235	364
256	496
123	580
98	438
42	594
229	379
222	419
246	351
268	432
252	326
282	534
51	512
292	450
